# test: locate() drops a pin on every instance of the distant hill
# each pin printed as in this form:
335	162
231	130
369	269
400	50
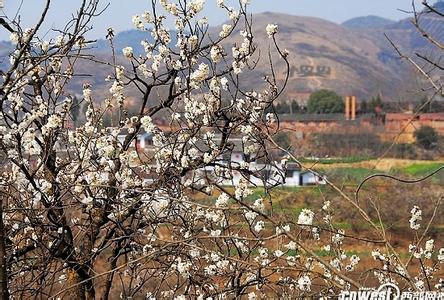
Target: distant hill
367	22
406	36
353	58
325	55
439	6
5	49
130	38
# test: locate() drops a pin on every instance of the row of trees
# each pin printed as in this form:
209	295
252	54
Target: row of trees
326	101
320	102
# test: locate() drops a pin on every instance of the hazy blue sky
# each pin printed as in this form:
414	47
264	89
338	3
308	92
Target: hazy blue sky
120	11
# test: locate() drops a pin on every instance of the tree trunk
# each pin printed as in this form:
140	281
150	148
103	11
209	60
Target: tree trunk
4	293
74	279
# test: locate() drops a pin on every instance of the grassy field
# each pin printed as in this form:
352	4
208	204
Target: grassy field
349	175
394	199
355	172
336	160
422	169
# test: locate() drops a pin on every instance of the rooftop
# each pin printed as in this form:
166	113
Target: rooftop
318	117
411	116
432	117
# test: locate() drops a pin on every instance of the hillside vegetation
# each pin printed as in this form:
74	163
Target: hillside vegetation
352	58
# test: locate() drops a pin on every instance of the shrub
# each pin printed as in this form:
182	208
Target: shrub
426	137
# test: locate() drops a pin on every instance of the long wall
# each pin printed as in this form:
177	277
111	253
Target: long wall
399	127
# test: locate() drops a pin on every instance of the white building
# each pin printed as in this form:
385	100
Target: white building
310	178
229	174
142	140
268	175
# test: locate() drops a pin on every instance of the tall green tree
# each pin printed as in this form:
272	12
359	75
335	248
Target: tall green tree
325	102
288	107
429	106
375	104
363	108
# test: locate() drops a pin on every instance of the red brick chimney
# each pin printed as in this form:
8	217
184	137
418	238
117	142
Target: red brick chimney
350	107
353	108
347	108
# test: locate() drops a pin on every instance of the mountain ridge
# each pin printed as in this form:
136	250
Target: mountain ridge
323	54
367	22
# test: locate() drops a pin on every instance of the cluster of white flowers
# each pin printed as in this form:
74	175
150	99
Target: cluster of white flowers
214	88
224	83
197	5
260	225
137	22
147	124
271	30
416	218
60	40
30	144
429	246
420	284
193	110
419	252
440	285
354	260
338	237
306	217
278	253
259	205
233	14
242	190
54	122
250	216
222	200
441	255
128	52
226	30
146	72
215	233
16	101
270	118
199	75
238	66
87	93
377	255
282	229
170	7
14	38
216	53
304	283
183	267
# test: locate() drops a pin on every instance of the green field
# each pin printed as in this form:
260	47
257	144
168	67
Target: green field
336	160
422	169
